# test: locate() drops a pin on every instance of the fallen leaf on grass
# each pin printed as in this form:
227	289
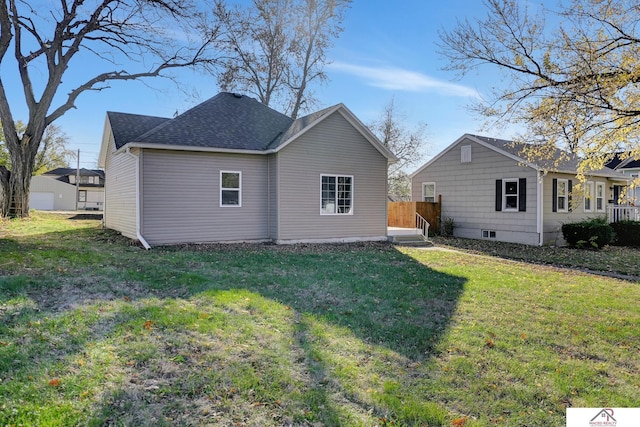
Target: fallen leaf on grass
489	343
55	382
459	422
147	324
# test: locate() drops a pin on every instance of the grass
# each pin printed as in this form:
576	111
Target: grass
95	331
610	259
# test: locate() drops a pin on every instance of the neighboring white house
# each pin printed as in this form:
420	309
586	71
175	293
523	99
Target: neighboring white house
232	169
49	194
90	188
491	192
631	168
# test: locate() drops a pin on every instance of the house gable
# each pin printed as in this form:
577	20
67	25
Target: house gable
332	147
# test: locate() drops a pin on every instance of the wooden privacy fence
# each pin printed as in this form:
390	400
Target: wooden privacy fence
403	214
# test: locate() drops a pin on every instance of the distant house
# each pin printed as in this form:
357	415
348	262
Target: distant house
49	194
631	168
232	169
492	192
90	188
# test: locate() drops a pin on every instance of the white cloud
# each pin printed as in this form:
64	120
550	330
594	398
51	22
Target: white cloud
393	78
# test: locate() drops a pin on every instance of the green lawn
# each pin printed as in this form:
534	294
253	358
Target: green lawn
96	331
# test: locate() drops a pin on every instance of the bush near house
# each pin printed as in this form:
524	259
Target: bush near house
593	233
626	233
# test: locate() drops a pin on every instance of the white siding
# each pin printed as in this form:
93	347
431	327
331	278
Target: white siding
553	220
469	191
181	197
64	195
120	192
331	147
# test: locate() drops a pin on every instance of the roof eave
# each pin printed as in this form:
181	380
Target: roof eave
175	147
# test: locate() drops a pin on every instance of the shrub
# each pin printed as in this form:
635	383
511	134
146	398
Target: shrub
627	233
446	227
590	234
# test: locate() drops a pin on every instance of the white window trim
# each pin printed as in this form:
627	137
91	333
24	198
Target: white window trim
604	196
336	204
424	185
566	196
504	195
239	190
589	189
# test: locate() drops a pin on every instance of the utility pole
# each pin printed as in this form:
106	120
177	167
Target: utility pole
78	180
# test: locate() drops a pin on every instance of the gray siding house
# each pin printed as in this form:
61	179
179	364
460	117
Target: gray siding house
491	192
232	169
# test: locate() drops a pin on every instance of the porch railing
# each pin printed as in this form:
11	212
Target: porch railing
422	225
616	213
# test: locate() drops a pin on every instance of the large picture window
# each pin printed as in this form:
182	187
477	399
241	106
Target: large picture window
336	195
230	188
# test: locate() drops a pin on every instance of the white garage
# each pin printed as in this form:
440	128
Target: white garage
48	194
41	201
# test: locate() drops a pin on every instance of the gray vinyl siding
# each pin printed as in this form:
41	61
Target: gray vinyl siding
181	197
331	147
120	192
469	192
273	193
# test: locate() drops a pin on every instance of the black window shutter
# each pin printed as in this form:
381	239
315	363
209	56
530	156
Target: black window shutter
522	194
569	186
498	194
554	203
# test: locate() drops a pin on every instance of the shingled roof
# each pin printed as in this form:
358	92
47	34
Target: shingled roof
227	121
562	161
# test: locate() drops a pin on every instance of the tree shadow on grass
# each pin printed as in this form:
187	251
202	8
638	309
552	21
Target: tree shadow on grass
370	295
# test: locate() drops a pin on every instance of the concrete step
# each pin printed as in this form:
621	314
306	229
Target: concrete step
410	240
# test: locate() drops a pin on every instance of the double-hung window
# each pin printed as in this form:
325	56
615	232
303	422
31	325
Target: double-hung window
562	195
336	195
429	192
600	196
230	188
588	196
510	195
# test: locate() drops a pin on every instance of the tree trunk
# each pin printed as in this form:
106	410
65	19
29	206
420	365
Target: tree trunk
5	194
17	182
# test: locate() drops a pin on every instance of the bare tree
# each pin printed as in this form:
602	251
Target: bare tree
574	85
277	49
406	142
68	36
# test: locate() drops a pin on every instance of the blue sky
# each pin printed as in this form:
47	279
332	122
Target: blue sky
387	49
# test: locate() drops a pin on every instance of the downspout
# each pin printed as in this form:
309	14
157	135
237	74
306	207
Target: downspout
540	207
138	234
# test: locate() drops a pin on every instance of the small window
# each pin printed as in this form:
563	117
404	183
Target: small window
600	196
488	234
510	195
230	189
563	195
465	154
82	195
588	196
336	195
429	192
